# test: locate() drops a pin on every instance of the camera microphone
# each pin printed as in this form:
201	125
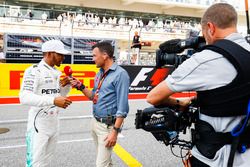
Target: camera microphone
194	43
68	71
179	45
171	46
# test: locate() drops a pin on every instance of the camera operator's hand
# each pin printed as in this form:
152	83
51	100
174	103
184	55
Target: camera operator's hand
185	103
62	102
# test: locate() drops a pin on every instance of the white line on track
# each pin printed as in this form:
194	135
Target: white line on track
59	142
61	118
73	102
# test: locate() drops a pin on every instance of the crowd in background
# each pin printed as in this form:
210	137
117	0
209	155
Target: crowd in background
98	20
92	20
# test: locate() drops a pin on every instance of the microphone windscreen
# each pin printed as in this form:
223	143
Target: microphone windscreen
68	71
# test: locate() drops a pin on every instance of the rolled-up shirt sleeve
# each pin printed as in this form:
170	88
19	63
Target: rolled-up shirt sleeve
122	91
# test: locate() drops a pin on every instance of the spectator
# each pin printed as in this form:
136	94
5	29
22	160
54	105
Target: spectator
2	57
44	18
136	45
136	41
31	15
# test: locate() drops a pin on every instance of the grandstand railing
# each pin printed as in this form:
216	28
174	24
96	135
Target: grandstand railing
90	29
86	30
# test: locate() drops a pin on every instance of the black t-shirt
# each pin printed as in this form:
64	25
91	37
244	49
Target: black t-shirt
136	42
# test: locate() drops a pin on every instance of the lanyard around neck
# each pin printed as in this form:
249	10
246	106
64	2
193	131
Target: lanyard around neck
101	81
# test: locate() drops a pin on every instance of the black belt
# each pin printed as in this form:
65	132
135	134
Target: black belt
110	120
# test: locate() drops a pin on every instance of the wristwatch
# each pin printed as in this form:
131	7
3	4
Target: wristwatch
118	130
81	87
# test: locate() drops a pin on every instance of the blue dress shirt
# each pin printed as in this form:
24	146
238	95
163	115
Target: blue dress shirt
113	94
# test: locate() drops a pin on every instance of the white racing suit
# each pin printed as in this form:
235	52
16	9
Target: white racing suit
41	84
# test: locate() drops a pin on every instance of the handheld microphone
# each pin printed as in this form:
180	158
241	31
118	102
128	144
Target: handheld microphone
68	71
79	85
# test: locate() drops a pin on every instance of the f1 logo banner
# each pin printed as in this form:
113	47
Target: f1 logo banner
144	78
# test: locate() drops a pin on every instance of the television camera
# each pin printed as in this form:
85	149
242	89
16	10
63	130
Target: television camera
167	54
165	123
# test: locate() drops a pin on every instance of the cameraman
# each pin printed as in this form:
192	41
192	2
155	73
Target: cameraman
208	71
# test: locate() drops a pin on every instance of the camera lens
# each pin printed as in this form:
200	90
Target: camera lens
165	58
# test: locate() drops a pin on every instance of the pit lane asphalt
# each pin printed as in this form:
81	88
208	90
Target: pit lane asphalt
75	147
